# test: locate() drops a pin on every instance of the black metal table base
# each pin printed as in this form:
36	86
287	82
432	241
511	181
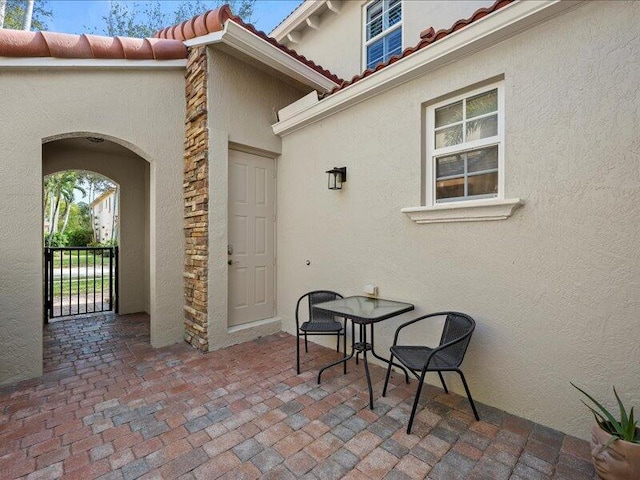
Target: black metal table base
362	346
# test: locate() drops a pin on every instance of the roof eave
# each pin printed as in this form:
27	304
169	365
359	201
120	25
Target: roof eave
240	39
488	31
296	18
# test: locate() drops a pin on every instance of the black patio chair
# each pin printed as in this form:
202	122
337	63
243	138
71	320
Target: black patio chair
319	323
447	357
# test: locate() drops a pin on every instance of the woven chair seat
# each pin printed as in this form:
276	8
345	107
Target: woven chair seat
321	327
415	357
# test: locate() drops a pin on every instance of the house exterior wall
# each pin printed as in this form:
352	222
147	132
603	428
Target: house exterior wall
45	104
129	173
243	101
337	43
554	289
104	214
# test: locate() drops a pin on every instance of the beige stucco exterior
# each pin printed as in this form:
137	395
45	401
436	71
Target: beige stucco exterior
554	288
128	171
244	101
337	44
142	110
104	211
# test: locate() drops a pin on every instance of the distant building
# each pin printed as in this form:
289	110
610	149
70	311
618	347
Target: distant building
104	211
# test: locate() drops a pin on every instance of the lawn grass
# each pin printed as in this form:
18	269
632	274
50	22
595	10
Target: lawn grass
70	259
82	285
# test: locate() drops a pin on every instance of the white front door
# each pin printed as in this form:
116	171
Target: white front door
252	217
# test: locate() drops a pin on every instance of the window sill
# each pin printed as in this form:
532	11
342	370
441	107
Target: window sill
470	211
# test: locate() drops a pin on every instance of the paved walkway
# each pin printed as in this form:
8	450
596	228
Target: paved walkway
112	407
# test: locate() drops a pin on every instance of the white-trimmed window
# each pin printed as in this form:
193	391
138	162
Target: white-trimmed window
382	31
465	143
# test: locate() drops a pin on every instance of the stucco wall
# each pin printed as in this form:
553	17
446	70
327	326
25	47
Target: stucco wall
143	110
243	102
554	289
337	43
129	173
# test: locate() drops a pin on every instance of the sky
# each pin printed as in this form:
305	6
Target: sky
82	16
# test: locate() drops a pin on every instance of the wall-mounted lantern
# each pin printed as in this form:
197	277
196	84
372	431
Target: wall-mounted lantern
337	176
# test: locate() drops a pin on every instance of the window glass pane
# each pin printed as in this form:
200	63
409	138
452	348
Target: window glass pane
374	10
483	103
485	184
374	19
449	136
395	13
374	28
450	188
482	128
393	43
375	53
449	114
483	159
449	165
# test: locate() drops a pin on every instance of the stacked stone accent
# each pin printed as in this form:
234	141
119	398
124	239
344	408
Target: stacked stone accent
196	201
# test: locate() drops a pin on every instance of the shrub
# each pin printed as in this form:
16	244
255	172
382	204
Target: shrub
80	237
56	239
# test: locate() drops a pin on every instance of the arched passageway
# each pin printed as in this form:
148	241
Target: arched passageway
132	175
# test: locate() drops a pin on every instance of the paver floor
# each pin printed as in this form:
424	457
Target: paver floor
111	407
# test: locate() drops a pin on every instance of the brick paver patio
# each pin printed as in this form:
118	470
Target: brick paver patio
112	407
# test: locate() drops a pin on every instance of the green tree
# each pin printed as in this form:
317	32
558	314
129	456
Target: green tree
96	185
60	187
143	19
15	10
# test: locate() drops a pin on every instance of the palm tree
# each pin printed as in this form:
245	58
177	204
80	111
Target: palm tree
60	187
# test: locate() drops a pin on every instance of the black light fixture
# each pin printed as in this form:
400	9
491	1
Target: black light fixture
337	176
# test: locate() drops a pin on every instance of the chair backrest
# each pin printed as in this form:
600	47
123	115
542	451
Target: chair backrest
317	296
456	326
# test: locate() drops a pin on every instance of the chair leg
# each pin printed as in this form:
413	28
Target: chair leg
444	385
306	346
298	352
338	343
344	345
386	380
466	389
415	402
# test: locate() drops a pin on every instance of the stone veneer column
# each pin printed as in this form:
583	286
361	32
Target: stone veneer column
196	201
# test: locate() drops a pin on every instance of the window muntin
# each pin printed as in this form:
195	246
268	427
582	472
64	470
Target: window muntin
466	147
383	31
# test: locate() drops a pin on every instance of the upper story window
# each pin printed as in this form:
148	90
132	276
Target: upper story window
466	147
383	31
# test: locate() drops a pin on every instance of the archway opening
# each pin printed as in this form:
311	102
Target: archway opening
81	236
110	188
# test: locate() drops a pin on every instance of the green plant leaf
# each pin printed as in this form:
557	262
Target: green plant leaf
630	433
604	411
624	419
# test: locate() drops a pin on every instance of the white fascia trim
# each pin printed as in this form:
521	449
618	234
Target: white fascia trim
90	63
297	17
246	42
467	211
488	31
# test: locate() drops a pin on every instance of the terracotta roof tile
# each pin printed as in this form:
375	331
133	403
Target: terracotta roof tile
428	37
19	43
213	21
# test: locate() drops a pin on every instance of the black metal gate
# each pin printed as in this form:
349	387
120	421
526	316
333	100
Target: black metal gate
80	280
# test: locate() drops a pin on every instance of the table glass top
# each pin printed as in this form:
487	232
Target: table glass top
364	308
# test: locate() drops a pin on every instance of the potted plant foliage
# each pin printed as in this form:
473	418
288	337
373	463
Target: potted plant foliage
615	444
